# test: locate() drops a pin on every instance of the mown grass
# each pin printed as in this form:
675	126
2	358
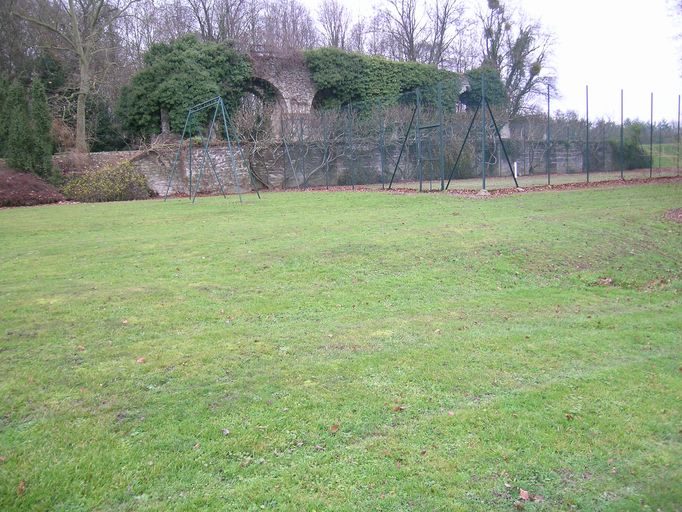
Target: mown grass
365	352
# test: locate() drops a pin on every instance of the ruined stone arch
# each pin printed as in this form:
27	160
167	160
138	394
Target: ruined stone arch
287	76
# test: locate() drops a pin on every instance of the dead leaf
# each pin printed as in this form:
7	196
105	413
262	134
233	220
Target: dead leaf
451	413
2	459
605	281
569	416
526	496
140	360
124	322
399	408
334	429
197	446
21	488
319	448
437	331
507	486
80	348
226	431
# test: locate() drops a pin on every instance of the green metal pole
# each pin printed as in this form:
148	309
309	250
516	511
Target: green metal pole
206	157
418	137
441	136
549	140
678	134
327	150
483	130
587	133
233	161
177	157
382	142
622	143
651	139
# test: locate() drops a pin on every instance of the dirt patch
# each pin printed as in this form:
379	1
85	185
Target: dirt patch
674	215
24	189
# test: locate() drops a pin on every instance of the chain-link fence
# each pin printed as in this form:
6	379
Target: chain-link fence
427	139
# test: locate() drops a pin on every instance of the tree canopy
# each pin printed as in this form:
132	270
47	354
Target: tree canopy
177	75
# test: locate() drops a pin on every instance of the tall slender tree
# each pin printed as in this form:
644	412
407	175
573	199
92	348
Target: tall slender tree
519	50
19	141
41	124
81	26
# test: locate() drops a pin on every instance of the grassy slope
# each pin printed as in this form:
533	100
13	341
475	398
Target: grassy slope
459	346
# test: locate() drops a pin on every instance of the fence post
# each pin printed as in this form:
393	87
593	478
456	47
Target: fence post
418	136
678	134
441	136
622	144
587	133
548	141
483	129
651	139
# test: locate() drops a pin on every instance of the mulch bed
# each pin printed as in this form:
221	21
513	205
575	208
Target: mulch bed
24	189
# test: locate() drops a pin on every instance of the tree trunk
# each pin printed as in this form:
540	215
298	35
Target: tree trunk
165	123
83	91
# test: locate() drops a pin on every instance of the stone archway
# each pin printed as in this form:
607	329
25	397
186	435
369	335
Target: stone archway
290	79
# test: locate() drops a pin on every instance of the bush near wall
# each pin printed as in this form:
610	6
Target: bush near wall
113	183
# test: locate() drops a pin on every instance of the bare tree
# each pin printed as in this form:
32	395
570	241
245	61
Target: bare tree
287	25
405	28
357	37
519	50
447	24
420	32
80	25
335	20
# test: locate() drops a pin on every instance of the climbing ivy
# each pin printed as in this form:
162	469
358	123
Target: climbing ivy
342	78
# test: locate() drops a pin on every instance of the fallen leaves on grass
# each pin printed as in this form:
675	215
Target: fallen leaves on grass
140	360
527	496
21	488
399	408
334	429
2	459
605	281
124	322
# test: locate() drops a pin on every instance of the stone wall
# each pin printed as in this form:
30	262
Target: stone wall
156	165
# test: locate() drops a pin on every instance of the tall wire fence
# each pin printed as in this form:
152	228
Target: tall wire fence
425	138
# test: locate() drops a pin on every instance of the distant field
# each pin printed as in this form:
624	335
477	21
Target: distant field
343	351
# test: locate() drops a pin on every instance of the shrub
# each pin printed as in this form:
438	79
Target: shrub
112	183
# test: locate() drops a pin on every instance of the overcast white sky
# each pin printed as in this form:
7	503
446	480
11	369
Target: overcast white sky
607	44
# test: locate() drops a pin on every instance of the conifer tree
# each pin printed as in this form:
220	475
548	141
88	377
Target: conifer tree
19	140
41	132
4	116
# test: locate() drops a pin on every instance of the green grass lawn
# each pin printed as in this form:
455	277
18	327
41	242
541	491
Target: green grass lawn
343	351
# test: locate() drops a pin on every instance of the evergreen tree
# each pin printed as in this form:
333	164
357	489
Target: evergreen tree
4	116
41	124
19	140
